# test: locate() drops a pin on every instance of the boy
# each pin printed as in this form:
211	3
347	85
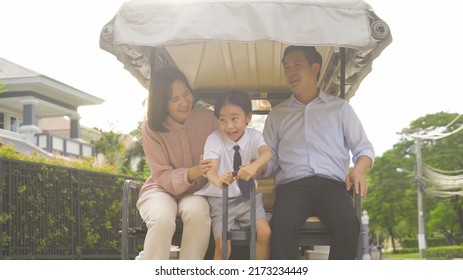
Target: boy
234	112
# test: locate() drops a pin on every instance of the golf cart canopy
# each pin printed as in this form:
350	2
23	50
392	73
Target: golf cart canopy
238	44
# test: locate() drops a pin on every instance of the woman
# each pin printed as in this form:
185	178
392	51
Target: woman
174	135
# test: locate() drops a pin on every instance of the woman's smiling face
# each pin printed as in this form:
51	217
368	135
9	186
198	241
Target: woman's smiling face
180	102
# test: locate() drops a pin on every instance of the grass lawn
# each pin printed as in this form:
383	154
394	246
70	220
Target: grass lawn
409	256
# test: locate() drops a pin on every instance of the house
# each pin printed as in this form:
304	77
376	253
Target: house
30	106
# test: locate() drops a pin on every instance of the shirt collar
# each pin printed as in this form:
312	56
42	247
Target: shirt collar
229	144
293	102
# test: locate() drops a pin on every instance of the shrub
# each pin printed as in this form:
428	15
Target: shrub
444	253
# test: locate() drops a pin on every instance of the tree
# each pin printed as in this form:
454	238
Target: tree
444	154
110	145
391	203
136	152
443	220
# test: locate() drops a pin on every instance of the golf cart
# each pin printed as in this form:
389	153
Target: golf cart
236	44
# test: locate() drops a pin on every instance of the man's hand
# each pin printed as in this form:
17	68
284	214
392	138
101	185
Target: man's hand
356	179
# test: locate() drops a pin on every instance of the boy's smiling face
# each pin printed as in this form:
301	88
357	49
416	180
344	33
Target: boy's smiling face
233	121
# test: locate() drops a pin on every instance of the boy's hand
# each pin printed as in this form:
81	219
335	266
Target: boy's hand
246	173
226	178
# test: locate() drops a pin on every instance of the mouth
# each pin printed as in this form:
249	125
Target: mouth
293	82
183	111
232	134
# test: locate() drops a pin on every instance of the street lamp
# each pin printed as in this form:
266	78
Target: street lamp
421	228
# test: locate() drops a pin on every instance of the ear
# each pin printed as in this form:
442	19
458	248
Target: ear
316	68
248	118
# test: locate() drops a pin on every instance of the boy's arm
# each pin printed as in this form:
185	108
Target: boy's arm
258	166
214	178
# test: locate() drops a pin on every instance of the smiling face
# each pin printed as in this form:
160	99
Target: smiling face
180	102
233	121
300	76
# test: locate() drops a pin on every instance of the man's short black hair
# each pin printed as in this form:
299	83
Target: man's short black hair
310	52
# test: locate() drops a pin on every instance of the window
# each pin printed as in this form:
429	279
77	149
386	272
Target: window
2	121
14	124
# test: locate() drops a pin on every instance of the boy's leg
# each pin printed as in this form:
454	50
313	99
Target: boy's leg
218	248
215	204
263	239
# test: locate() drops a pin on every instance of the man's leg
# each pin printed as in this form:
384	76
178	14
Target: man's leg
335	208
292	207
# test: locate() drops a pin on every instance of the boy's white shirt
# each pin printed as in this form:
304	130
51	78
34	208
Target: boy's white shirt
220	147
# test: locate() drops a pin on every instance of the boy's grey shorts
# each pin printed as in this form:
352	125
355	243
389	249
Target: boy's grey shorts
239	212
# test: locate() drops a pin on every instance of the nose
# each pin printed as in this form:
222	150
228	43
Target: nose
184	102
290	72
229	125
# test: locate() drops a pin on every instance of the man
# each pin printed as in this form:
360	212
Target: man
310	136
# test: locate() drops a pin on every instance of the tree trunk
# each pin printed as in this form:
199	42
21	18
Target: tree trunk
449	239
391	233
459	212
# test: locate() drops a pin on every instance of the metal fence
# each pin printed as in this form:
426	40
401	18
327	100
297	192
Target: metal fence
55	212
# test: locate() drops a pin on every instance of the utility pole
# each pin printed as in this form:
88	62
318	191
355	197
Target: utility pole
419	190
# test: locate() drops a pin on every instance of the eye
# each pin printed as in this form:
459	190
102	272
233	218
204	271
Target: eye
173	99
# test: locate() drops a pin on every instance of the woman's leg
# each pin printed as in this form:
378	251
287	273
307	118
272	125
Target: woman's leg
194	212
159	210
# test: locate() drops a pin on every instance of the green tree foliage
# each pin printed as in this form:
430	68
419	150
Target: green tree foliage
135	152
443	220
110	145
392	197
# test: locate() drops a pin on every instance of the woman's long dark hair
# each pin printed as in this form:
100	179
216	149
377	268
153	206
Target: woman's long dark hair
160	94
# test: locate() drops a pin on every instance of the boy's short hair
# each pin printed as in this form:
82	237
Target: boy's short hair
235	97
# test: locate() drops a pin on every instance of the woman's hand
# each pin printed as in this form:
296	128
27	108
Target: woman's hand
204	165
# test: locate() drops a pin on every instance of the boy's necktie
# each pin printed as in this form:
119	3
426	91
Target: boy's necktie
244	185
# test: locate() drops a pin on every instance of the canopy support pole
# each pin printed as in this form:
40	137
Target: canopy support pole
152	63
342	89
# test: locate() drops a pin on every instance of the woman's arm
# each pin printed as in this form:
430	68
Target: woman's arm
163	174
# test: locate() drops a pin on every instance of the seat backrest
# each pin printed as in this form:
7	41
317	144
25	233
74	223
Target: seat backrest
267	188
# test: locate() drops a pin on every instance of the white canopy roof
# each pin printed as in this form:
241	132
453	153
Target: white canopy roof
239	44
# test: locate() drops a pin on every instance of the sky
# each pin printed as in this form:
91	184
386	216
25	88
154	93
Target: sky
419	73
